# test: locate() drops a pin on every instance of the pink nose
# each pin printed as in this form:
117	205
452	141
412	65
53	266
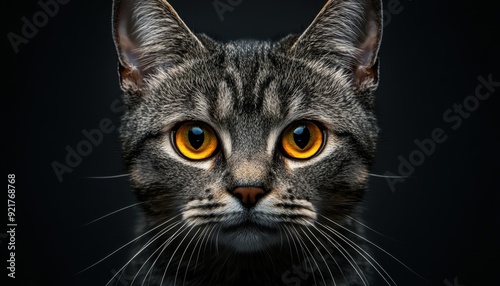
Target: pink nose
248	195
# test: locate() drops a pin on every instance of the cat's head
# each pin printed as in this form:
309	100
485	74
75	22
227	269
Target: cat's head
248	138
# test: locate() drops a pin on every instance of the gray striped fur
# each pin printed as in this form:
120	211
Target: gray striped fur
248	92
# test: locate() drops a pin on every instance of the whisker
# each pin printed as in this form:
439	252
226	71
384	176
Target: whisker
288	241
173	254
163	248
146	261
217	240
112	213
182	256
202	235
281	238
387	177
107	177
123	246
150	241
378	247
204	247
367	227
304	247
341	250
293	241
362	252
345	254
324	260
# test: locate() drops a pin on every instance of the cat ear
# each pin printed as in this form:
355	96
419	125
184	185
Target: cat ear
149	34
349	33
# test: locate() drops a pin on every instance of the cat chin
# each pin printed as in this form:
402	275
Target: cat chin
248	238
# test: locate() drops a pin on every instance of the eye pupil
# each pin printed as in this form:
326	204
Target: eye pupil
196	137
301	136
302	140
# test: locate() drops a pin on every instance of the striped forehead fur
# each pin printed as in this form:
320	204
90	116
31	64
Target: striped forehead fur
290	106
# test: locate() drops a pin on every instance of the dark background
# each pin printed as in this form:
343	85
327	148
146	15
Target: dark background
441	222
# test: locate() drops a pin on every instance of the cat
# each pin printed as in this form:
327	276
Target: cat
250	158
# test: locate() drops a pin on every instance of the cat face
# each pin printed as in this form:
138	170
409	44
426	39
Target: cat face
248	138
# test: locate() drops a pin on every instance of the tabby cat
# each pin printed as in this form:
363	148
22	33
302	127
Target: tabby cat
250	158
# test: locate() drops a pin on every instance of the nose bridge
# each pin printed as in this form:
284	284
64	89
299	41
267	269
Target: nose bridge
249	164
249	169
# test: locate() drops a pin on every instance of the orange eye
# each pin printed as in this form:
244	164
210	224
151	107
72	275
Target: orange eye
302	140
196	141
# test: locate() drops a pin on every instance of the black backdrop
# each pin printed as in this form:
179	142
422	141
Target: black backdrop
441	221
